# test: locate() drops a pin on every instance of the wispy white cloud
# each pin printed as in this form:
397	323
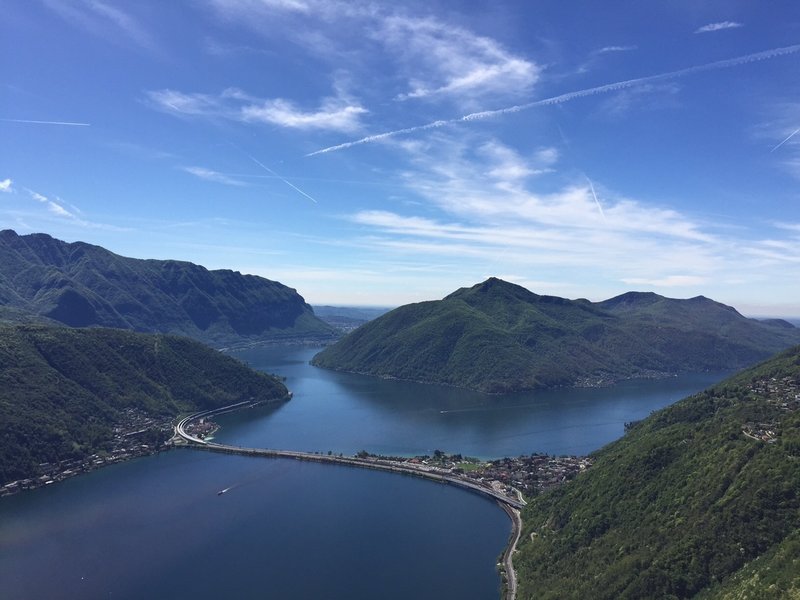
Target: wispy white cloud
482	204
59	210
718	26
193	104
53	206
37	196
334	113
647	96
56	208
105	20
211	175
450	61
607	49
254	8
5	186
795	227
569	96
454	177
668	281
435	59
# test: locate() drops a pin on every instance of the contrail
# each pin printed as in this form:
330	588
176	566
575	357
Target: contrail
596	201
791	135
602	89
273	173
47	122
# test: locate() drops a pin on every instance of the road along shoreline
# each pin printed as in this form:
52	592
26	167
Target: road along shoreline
511	506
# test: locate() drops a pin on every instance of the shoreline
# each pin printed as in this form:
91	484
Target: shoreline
578	384
510	500
508	572
81	467
512	507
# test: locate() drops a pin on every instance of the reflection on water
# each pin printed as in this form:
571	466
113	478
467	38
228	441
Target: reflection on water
346	413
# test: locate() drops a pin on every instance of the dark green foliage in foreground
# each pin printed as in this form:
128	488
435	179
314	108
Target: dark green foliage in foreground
684	503
62	390
498	337
82	285
776	574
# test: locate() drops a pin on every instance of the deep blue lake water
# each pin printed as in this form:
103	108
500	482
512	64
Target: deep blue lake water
347	413
156	528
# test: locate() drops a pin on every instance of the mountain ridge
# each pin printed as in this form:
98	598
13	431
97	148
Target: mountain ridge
83	285
498	337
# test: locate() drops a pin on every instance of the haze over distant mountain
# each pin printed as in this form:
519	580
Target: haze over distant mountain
347	318
697	501
499	337
82	285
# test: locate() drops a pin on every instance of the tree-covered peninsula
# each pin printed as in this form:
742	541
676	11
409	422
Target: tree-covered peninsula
64	392
699	500
498	337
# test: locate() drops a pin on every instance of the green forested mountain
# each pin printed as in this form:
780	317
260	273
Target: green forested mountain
700	499
82	285
500	337
62	390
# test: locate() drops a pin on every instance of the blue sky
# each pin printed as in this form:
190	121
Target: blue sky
384	153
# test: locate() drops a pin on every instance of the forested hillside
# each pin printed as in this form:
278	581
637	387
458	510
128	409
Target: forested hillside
700	498
499	337
62	391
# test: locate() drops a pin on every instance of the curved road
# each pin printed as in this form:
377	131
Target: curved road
510	505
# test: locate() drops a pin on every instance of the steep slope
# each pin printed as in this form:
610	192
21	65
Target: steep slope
499	337
83	285
63	390
701	497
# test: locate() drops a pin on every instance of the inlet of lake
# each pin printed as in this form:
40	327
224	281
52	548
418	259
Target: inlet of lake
156	527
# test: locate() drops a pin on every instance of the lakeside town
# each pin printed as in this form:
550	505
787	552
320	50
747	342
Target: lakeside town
137	434
782	395
526	475
140	434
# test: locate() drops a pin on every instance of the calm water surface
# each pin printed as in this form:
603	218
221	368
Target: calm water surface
156	527
347	413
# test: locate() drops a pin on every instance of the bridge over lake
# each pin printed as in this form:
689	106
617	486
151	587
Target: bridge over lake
363	463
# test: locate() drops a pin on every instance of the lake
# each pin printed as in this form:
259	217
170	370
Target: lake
156	527
347	413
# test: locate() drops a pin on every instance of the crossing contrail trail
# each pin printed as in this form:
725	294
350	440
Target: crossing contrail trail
289	183
273	173
596	201
47	122
790	136
569	96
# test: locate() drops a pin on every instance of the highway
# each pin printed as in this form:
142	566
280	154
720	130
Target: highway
510	505
364	463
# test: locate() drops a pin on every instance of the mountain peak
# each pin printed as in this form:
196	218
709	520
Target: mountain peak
631	300
492	287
